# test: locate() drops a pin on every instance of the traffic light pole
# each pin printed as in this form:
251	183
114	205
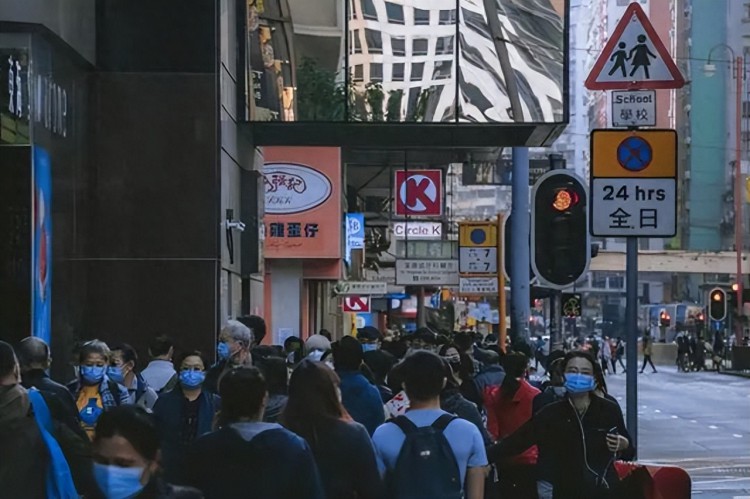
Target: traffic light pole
631	346
519	282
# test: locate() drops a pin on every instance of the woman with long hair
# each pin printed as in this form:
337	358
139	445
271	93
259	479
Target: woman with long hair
581	436
509	407
342	448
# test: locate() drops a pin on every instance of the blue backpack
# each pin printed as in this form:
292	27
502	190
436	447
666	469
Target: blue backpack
59	479
426	467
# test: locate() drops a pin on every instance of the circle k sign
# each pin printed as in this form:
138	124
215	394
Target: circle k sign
419	192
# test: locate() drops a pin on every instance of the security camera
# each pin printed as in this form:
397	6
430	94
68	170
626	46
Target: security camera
236	225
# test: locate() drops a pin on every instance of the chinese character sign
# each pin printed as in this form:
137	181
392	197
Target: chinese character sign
302	202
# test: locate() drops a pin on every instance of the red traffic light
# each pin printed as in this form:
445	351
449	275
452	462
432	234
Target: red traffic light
565	199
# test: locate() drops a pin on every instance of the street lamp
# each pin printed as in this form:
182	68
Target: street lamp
709	69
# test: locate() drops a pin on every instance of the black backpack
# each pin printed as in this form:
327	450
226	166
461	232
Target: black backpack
426	467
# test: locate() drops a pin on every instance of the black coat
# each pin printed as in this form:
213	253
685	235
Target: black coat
576	457
169	412
60	401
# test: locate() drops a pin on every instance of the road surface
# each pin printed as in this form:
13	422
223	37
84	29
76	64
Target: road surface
698	421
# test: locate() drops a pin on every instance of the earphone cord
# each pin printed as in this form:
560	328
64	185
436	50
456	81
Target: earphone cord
585	453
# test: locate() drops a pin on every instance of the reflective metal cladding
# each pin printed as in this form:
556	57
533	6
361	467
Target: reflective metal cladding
437	61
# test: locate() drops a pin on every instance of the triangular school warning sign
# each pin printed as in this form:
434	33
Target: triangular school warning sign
634	57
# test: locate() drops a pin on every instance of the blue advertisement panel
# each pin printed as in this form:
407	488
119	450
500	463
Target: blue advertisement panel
41	273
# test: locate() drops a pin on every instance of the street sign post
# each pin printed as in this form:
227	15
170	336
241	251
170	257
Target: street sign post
633	174
356	304
478	286
419	192
633	183
633	108
373	288
427	272
634	57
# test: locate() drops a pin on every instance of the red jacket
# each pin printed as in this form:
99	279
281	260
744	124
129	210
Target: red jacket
504	416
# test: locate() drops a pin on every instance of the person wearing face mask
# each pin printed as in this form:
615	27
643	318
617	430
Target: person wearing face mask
94	391
318	348
581	435
508	408
233	351
360	397
378	361
126	457
184	414
123	372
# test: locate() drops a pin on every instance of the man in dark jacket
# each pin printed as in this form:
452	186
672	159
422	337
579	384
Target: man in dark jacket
233	350
34	359
25	456
361	398
247	457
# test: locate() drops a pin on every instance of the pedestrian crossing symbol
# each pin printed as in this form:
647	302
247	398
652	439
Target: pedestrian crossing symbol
634	57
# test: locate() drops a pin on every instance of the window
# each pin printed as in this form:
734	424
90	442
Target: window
374	40
444	45
398	46
448	16
746	109
443	70
395	13
368	9
358	73
421	17
356	42
398	72
417	70
376	71
419	46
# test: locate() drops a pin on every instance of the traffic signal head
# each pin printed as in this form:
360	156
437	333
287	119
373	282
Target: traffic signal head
664	318
560	247
717	304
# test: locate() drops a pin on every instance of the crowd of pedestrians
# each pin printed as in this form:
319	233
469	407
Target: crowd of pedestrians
420	416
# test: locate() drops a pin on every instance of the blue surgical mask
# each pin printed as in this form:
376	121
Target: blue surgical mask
579	383
192	379
369	347
222	350
117	482
92	375
115	374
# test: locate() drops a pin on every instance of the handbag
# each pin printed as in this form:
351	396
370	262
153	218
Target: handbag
59	478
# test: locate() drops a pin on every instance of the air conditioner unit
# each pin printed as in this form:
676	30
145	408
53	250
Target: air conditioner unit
687	175
688	140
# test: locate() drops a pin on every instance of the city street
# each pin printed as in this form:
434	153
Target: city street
698	421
